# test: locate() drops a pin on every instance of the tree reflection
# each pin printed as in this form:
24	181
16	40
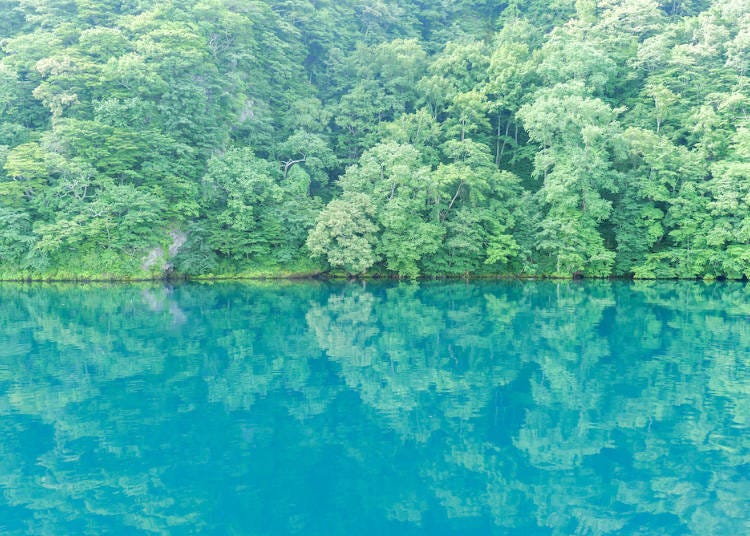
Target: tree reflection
596	408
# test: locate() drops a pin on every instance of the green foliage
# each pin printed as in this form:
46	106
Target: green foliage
15	235
576	134
547	138
196	256
407	238
259	215
344	234
118	218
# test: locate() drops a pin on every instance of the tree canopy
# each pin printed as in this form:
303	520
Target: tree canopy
401	139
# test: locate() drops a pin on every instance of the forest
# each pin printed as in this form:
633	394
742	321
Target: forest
385	138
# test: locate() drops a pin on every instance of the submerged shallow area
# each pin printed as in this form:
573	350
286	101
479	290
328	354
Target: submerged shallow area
502	407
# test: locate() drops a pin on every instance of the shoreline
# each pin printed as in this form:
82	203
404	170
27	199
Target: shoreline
327	276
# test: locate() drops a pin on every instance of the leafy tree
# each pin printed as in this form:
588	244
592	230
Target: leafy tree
344	234
16	238
259	215
575	133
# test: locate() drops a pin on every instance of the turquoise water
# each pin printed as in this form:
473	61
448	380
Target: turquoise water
313	408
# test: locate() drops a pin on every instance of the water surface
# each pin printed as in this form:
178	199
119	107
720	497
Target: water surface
312	408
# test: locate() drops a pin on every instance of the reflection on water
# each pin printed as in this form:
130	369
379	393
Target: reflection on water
535	408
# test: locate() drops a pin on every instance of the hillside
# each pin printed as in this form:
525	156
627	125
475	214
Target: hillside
401	138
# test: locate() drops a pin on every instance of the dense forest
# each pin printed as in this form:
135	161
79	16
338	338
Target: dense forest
142	138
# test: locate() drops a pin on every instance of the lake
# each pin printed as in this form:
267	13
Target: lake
375	408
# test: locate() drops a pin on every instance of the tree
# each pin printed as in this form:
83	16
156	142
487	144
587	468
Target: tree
344	234
16	238
575	133
396	181
244	198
